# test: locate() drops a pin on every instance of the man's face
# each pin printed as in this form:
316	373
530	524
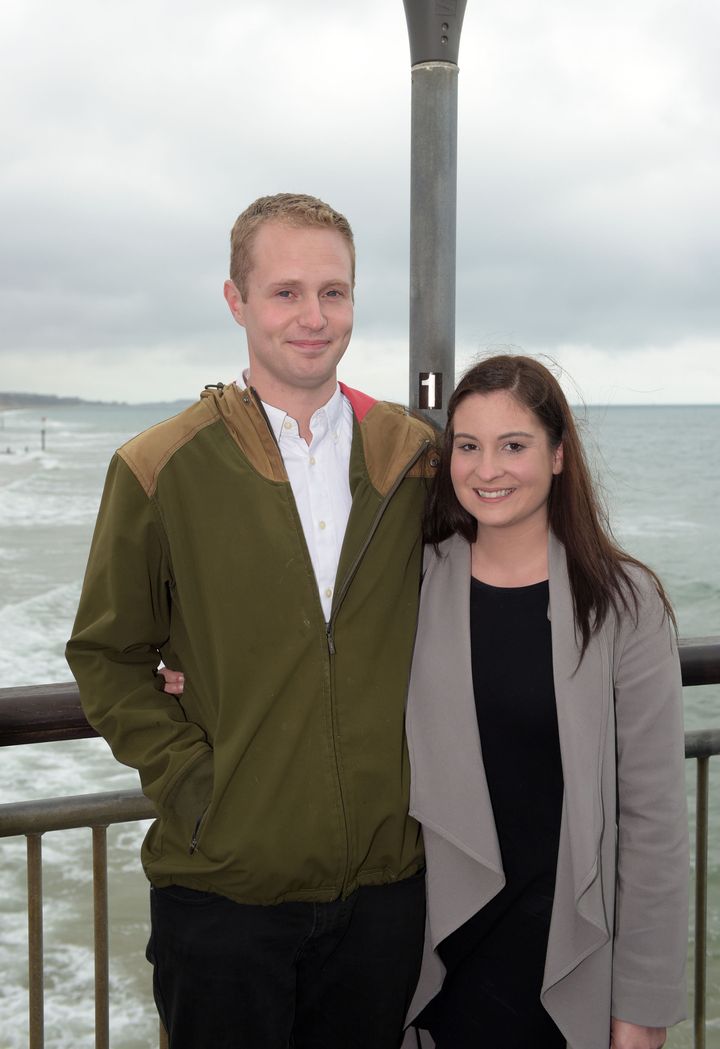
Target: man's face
298	314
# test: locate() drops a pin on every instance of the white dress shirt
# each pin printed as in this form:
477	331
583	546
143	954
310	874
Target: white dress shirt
319	477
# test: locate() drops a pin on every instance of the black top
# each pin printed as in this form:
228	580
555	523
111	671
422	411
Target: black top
517	719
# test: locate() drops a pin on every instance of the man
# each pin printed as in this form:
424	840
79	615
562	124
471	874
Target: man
266	542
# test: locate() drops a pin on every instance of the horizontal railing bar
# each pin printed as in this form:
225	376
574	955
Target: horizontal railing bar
42	714
49	713
702	743
102	809
699	660
80	810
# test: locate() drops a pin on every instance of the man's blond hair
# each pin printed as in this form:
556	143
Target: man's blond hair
291	209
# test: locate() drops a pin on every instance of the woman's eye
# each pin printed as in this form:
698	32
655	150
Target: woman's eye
513	446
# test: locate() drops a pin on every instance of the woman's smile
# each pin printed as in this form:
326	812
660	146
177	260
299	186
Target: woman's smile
493	494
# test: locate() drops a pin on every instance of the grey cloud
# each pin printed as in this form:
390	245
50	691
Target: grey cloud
587	207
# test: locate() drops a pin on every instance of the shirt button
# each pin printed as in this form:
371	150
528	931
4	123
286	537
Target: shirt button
312	460
322	524
328	592
288	424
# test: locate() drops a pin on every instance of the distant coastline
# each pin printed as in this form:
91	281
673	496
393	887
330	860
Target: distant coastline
14	400
36	400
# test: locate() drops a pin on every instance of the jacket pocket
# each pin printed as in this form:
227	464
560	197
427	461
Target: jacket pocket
186	807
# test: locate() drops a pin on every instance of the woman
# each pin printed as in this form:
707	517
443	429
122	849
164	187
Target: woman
545	732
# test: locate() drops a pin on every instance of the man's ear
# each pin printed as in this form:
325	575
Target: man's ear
234	300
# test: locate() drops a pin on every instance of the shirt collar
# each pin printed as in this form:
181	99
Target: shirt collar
333	410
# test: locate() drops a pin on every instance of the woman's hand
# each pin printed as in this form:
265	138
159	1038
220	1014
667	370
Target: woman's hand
174	681
624	1035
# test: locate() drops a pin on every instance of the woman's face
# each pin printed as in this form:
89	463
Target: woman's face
502	464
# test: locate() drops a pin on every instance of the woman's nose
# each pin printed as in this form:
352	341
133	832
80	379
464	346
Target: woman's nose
488	467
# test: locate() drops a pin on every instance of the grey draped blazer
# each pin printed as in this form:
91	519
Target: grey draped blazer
619	927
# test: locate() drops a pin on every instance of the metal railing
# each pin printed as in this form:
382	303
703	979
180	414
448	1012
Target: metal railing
46	713
35	818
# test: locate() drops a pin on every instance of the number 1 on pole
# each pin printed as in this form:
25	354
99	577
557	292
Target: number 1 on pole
430	390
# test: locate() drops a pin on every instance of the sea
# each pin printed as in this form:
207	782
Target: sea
659	471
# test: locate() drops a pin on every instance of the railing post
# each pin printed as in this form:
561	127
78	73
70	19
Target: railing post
36	988
434	28
100	922
701	859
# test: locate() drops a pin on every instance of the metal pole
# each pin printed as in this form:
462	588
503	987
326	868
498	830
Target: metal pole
100	924
701	870
36	982
434	28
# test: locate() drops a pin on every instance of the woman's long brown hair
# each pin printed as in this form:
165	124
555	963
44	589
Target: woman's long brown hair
597	566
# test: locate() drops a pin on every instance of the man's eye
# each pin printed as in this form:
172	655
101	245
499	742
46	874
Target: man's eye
334	293
285	293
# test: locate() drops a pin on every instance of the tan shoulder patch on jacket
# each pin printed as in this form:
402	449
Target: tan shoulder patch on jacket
246	423
391	437
147	453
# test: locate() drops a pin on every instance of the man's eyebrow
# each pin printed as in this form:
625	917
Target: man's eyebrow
295	282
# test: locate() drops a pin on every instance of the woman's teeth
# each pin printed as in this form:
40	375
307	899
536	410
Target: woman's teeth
494	495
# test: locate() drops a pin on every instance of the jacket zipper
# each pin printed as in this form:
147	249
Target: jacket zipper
195	840
368	539
331	641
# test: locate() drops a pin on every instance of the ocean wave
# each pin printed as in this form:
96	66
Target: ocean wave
24	504
64	769
69	1004
652	525
15	458
35	631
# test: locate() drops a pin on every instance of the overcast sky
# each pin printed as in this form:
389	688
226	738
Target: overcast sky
588	203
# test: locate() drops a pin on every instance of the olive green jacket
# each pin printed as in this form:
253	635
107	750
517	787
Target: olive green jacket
282	771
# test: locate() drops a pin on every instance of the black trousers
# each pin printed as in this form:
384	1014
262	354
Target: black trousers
304	975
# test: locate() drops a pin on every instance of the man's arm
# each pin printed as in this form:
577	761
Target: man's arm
123	621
